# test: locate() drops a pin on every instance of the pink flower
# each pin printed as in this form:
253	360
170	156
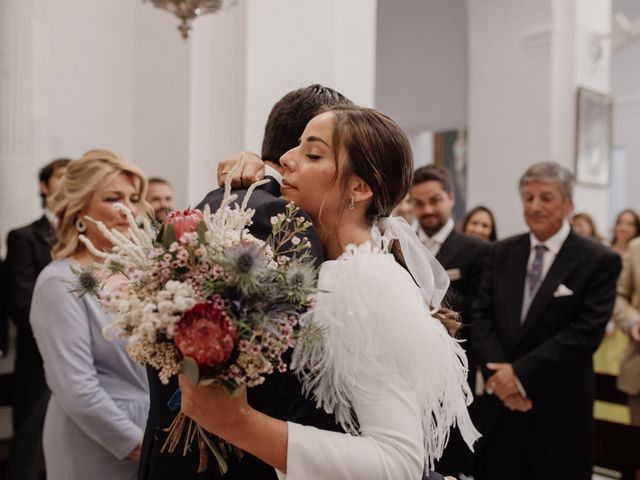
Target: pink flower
186	221
206	334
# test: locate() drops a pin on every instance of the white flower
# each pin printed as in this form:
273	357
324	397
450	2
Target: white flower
165	306
184	303
172	286
164	295
122	306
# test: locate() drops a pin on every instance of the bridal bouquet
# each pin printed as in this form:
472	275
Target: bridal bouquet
206	298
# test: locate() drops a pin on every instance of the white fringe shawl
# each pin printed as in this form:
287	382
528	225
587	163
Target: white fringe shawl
376	328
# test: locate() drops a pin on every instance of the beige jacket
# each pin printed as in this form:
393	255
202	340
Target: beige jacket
625	313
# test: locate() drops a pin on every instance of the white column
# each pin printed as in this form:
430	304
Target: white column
216	96
160	77
18	98
525	66
294	43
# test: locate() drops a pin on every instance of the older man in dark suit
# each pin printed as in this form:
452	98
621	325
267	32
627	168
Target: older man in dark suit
28	252
463	257
545	299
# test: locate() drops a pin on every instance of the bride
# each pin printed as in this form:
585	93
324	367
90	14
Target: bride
388	369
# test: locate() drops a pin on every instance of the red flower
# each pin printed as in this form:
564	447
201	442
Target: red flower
206	334
184	222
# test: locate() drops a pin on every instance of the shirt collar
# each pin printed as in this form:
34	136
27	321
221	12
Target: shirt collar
555	242
52	217
269	171
441	235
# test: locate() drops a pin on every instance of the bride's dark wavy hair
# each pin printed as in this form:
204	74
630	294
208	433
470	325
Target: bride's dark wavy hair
378	151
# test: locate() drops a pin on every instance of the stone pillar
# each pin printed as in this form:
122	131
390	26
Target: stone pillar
524	73
216	96
18	99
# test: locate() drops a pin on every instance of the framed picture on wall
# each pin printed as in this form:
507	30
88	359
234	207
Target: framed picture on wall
593	137
450	151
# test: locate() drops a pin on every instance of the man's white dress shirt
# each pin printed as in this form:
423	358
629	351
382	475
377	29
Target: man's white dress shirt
434	242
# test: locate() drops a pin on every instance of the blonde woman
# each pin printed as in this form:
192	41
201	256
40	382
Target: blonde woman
99	399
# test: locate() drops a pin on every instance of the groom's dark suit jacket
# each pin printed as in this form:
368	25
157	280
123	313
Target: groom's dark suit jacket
280	396
550	352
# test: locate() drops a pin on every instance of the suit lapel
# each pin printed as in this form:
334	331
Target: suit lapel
447	249
567	257
273	187
513	277
45	232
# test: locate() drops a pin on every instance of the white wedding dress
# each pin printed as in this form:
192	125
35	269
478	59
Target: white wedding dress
388	371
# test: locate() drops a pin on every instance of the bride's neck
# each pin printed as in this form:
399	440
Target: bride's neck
334	240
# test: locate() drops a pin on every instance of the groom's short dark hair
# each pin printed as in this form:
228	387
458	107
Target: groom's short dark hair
291	114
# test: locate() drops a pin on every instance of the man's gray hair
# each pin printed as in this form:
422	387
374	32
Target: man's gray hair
550	172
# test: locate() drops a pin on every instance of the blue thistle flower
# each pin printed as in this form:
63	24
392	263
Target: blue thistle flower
247	259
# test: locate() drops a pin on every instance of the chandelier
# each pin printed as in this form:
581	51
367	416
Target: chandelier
188	10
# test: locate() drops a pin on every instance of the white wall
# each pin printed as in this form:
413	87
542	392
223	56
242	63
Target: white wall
523	77
625	87
81	74
422	63
101	75
160	78
294	43
509	101
84	73
216	121
592	18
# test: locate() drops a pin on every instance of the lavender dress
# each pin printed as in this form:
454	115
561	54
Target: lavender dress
99	396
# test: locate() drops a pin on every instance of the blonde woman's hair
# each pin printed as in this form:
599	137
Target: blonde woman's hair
80	182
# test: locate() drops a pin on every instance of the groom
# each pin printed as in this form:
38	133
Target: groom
281	395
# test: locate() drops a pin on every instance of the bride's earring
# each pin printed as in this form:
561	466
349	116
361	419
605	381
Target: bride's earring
81	227
352	204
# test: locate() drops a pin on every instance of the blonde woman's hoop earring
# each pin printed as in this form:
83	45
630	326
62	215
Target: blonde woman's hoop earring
81	227
352	204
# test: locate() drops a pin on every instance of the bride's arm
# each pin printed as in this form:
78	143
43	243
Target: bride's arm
233	419
391	444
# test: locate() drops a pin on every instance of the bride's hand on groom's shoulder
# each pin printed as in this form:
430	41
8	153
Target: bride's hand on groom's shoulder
251	169
212	407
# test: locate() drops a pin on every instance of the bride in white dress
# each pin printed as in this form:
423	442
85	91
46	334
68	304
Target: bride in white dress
388	370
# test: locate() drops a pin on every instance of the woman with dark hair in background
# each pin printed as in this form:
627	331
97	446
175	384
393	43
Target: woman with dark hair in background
584	224
626	228
480	222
